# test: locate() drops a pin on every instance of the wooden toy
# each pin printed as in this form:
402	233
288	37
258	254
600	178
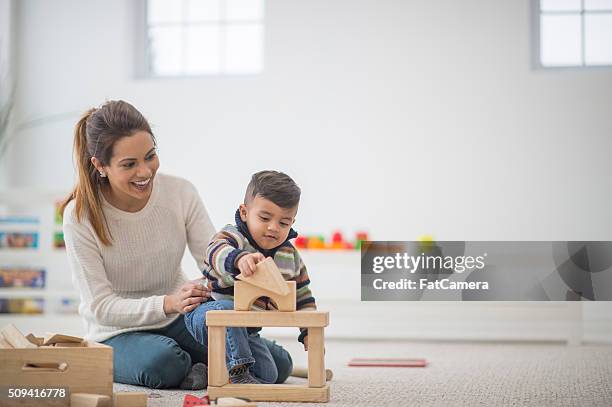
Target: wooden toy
86	369
217	320
89	400
52	338
4	343
245	295
129	399
299	371
234	402
267	277
15	338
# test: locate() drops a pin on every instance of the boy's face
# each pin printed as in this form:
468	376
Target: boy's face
268	223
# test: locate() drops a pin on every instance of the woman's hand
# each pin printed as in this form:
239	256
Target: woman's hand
187	299
248	263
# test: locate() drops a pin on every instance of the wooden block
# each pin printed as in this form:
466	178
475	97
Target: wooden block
38	341
217	370
316	358
51	338
300	319
300	371
268	277
4	344
129	399
13	336
89	400
271	392
245	295
234	402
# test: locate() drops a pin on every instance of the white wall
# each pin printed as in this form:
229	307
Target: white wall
399	117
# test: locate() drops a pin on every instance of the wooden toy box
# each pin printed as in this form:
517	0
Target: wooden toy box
83	369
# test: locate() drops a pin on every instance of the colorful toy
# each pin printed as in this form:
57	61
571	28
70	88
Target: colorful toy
192	401
337	242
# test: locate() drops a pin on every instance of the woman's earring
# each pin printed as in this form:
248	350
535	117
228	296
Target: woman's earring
102	174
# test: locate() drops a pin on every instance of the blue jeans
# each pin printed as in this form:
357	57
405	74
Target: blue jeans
162	358
269	362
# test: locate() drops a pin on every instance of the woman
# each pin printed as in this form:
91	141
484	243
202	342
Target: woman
126	227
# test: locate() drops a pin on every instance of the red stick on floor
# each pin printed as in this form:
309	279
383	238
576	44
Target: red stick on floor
387	362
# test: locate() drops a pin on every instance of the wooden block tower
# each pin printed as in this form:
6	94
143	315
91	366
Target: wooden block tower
267	281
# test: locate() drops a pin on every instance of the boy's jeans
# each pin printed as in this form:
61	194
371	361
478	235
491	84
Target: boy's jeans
270	363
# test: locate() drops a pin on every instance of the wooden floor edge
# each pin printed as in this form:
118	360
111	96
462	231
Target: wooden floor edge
271	392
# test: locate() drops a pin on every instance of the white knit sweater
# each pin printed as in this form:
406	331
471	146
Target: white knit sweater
122	286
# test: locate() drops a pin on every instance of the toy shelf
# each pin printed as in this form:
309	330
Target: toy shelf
52	305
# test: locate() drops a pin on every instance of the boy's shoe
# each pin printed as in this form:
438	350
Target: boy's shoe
197	378
240	375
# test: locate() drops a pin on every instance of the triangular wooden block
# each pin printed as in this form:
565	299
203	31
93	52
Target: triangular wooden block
15	338
267	276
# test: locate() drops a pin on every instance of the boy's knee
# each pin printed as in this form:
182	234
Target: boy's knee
223	305
166	368
284	366
269	375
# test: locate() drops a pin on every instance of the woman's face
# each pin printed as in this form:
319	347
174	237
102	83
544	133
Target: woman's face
131	170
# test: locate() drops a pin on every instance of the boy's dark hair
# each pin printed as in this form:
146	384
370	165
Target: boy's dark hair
274	186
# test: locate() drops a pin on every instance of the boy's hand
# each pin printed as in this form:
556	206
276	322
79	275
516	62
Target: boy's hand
248	263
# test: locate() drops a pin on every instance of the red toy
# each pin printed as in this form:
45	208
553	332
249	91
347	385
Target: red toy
387	362
192	401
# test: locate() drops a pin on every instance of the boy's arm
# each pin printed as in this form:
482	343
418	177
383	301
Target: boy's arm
222	254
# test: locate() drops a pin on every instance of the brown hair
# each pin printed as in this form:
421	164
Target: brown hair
274	186
95	135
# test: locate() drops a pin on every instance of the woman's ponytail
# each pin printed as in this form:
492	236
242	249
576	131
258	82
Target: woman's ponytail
86	191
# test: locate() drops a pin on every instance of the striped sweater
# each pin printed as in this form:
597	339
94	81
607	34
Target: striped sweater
235	241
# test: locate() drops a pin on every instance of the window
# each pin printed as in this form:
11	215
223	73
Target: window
204	37
575	33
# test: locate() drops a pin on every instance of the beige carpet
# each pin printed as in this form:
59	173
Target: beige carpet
458	375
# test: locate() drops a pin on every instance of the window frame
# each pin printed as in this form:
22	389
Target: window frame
143	68
536	59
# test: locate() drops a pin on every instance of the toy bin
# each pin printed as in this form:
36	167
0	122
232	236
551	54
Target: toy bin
82	369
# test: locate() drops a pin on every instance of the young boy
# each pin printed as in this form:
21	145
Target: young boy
262	229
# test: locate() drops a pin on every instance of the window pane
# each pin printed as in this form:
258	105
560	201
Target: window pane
244	48
244	10
202	49
560	40
203	10
163	11
598	4
560	5
598	39
165	50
